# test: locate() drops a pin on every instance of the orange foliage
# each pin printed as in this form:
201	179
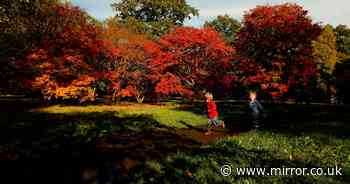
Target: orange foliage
64	64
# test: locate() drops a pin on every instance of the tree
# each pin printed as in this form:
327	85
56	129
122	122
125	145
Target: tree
29	23
227	26
153	16
278	38
325	49
343	41
127	74
325	57
188	60
342	75
65	65
23	25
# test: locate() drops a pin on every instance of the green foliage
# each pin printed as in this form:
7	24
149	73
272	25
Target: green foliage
227	26
325	50
342	74
343	41
153	16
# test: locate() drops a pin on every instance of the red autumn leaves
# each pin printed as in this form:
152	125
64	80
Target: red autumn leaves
190	59
64	65
278	40
84	59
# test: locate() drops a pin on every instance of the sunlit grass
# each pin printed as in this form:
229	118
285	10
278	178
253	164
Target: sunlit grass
294	139
312	148
254	149
168	115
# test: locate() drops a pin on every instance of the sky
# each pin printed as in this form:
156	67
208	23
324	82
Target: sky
332	12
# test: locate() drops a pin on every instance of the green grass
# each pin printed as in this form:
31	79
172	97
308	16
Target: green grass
255	150
314	149
292	136
167	115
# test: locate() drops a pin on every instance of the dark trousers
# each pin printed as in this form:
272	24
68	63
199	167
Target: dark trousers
256	119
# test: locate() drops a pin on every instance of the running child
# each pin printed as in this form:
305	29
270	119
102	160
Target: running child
256	108
213	119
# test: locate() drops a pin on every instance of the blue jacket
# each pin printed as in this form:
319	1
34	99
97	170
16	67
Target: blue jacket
256	106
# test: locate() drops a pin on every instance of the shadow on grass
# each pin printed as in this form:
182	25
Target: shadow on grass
217	133
203	166
291	119
77	147
108	147
297	120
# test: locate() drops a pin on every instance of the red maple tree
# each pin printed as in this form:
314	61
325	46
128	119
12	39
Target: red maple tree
65	64
276	41
128	74
188	60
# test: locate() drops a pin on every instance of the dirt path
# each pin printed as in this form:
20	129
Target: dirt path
198	134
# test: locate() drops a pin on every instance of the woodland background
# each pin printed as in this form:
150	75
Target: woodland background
58	52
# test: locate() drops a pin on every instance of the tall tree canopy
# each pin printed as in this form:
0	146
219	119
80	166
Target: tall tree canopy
278	38
23	25
153	16
64	65
58	50
28	21
227	26
190	59
325	49
343	41
127	75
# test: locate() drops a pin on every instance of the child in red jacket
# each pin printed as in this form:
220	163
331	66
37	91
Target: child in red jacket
213	119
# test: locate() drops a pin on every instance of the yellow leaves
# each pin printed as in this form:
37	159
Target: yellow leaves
324	49
78	89
90	96
83	81
41	81
73	92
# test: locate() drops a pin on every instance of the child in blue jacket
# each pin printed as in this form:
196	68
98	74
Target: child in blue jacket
256	108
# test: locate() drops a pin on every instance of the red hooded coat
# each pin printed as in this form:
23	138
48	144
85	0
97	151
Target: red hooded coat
212	112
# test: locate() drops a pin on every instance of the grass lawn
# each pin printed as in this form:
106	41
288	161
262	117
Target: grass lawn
168	115
252	149
165	144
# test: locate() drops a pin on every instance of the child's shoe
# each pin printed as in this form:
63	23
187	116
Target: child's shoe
223	124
